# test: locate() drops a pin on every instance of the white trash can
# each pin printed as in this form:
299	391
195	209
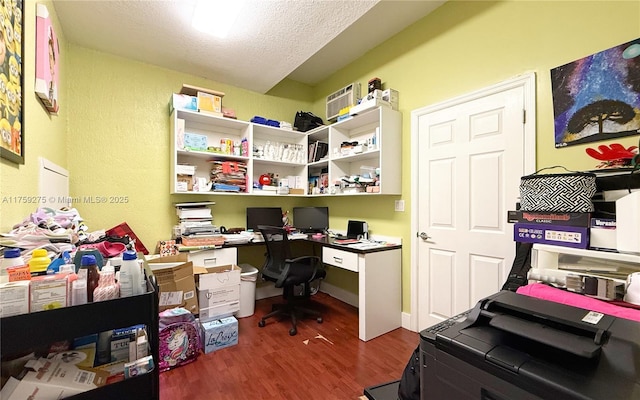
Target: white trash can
248	278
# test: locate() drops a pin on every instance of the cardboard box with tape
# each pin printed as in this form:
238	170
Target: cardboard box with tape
176	284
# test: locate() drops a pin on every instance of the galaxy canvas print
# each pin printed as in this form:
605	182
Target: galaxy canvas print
597	97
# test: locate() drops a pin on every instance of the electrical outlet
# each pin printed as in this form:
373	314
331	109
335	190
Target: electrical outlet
399	205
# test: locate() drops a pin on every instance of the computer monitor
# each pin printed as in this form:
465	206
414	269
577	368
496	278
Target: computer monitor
271	216
311	219
357	230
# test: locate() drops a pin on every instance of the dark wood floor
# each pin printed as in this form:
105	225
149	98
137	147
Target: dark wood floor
322	362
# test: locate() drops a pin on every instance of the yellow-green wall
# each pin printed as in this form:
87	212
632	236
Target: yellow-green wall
44	135
113	129
466	45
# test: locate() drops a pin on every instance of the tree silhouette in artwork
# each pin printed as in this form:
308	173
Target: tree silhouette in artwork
598	112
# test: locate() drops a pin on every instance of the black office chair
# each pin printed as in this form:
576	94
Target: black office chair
287	273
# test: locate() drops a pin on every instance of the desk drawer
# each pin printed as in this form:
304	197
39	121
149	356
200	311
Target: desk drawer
340	258
214	258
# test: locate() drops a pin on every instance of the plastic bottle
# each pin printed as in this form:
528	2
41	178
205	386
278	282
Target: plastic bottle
103	347
39	262
70	271
12	258
107	288
88	263
130	275
79	289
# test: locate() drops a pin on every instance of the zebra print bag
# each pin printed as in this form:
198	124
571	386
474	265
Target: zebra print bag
564	192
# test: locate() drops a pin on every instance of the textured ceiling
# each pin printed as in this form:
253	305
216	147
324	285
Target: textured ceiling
305	40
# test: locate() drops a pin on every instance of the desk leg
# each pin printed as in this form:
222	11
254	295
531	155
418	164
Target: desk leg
380	293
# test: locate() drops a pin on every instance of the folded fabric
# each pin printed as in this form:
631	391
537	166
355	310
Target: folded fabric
542	291
107	249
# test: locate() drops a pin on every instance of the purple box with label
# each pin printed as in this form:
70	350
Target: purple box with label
559	235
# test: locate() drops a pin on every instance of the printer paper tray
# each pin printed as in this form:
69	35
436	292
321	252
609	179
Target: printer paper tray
579	345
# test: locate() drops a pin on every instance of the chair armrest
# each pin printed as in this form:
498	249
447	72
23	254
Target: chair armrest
315	260
298	259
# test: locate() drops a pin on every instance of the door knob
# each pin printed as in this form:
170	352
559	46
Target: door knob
424	236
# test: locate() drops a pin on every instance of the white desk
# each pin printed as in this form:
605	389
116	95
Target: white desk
379	286
379	280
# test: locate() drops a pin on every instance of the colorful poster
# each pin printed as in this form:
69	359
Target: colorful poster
597	97
11	81
47	60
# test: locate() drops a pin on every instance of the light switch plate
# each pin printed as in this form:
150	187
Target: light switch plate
399	205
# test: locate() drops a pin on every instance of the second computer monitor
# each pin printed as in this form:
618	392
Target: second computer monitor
311	219
271	216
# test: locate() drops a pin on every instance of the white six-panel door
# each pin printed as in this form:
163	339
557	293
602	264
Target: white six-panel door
471	157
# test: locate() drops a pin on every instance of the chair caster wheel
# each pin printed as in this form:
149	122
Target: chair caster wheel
261	323
319	319
293	331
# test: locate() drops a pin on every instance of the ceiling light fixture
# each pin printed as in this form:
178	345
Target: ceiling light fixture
216	17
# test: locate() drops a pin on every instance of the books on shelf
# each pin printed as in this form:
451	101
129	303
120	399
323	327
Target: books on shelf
317	151
199	213
195	218
195	210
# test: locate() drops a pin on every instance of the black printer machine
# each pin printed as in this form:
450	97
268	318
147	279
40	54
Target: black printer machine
512	346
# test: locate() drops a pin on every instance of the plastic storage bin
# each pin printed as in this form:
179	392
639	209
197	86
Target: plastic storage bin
248	278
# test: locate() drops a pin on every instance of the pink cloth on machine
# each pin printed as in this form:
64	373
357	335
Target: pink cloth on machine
542	291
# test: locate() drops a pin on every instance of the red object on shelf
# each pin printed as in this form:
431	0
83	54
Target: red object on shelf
265	180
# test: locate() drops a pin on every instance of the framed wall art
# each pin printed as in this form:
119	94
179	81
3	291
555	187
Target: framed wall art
597	97
11	81
47	60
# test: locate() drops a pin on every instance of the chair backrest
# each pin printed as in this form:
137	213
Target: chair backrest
278	250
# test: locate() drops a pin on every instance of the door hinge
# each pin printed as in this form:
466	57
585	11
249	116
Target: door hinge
524	116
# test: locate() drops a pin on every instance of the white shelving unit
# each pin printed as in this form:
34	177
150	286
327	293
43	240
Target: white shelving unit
554	264
382	129
547	255
285	153
214	129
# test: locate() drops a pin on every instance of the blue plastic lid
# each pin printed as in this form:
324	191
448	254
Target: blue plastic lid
129	255
88	259
12	253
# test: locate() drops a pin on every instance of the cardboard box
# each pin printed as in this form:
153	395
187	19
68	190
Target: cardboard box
174	275
185	169
602	234
195	141
568	236
58	377
14	298
183	102
392	96
219	311
184	183
209	102
219	334
218	290
193	90
627	227
217	277
138	367
373	189
48	292
218	296
549	218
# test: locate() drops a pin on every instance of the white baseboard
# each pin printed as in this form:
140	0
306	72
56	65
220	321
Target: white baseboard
266	291
340	294
270	290
406	322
